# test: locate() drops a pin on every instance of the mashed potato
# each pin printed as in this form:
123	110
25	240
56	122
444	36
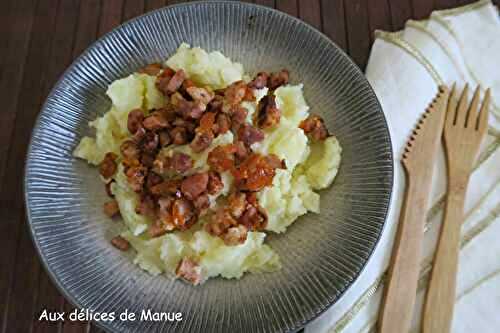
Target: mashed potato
212	69
310	166
163	253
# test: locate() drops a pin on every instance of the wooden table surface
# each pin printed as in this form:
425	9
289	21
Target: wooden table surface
40	38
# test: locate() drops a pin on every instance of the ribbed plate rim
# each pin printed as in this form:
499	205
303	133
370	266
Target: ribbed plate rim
297	325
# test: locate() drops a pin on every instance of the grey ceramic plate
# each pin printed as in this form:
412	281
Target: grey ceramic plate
322	254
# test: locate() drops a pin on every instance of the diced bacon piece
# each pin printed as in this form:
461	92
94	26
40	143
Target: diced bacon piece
189	125
207	121
241	151
136	176
179	135
260	80
181	162
152	180
220	222
108	166
235	235
164	212
254	173
215	184
164	138
157	229
171	187
146	206
164	223
200	94
151	69
267	113
168	112
314	126
235	93
139	134
120	243
155	121
202	141
129	150
216	104
202	202
237	203
238	116
223	123
275	162
147	159
176	81
189	270
254	219
249	134
134	120
278	79
111	208
188	109
252	198
187	84
194	185
150	142
221	158
249	96
163	80
183	214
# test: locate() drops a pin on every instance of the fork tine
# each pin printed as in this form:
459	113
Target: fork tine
482	119
452	106
472	112
462	107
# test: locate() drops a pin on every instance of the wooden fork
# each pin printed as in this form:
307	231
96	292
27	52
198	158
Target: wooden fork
464	130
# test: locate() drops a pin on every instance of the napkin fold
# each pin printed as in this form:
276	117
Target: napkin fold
459	45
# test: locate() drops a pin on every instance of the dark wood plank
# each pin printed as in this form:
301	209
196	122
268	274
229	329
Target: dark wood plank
61	55
48	298
94	329
401	12
422	8
267	3
13	67
22	287
175	2
379	17
132	8
358	31
73	326
13	60
444	4
88	22
5	35
334	24
154	4
309	11
111	15
288	6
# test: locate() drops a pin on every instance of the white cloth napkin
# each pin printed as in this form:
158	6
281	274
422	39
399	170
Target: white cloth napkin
459	45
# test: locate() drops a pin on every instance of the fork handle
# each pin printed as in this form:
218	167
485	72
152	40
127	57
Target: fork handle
440	300
400	292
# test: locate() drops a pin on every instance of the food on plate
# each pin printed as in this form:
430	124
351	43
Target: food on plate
201	161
